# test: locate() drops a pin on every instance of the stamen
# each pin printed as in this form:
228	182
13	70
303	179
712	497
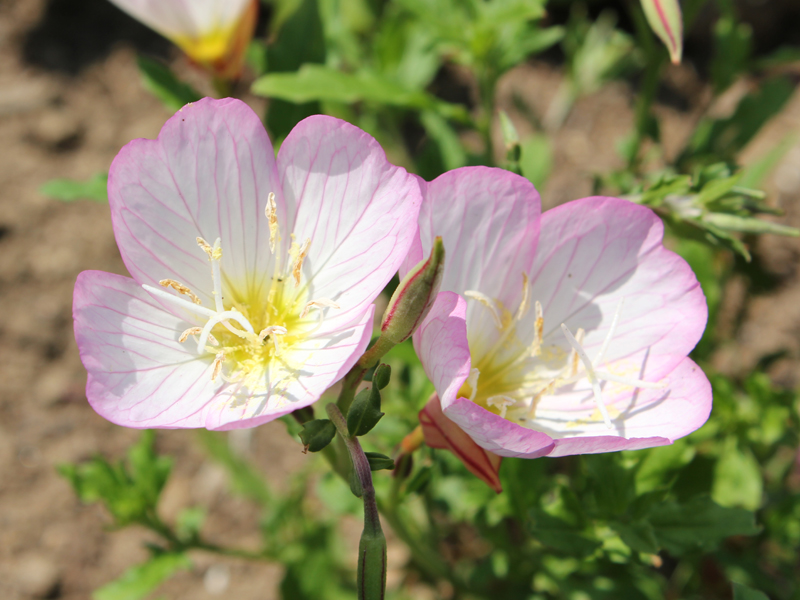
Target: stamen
538	330
298	264
610	333
573	355
271	212
195	308
273	331
205	246
180	288
319	304
503	402
488	303
524	304
472	382
648	385
221	317
598	398
548	389
218	360
196	331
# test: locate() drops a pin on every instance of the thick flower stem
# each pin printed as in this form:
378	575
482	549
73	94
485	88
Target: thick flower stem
372	547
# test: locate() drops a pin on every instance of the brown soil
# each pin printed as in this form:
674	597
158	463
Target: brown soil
65	111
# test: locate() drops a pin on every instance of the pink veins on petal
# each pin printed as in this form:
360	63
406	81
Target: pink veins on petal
253	276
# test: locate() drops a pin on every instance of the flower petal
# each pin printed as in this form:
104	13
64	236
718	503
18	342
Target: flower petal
192	18
208	174
441	432
495	434
441	344
594	253
313	366
652	418
489	222
358	210
139	374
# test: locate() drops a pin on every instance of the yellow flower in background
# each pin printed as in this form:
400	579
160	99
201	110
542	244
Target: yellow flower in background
213	33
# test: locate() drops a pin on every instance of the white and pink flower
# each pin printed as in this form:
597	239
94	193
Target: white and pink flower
555	334
213	33
252	276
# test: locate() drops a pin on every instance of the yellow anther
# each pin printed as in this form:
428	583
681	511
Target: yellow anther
524	304
205	246
271	211
218	360
180	288
298	263
321	303
489	304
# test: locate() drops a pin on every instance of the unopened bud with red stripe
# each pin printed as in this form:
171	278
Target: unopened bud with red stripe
413	298
665	19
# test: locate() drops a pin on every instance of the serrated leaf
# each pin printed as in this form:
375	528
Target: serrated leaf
365	412
160	81
378	461
68	190
317	434
139	581
699	524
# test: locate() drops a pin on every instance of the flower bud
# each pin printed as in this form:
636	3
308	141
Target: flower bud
413	298
441	432
371	565
664	17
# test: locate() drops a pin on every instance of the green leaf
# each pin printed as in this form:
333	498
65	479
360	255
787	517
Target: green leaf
748	224
639	536
557	533
317	434
660	465
159	80
611	485
139	581
699	524
536	159
68	190
365	411
742	592
189	522
733	43
737	477
446	139
381	376
319	82
378	461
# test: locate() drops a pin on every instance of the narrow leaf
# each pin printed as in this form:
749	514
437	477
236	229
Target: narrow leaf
164	85
139	581
69	190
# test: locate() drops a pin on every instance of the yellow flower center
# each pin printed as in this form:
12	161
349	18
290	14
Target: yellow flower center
510	377
248	333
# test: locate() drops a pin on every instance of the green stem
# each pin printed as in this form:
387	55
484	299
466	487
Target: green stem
356	375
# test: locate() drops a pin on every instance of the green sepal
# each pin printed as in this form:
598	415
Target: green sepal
378	461
365	411
317	434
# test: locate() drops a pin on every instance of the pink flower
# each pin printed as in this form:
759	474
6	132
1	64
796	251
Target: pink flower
213	33
253	277
565	333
